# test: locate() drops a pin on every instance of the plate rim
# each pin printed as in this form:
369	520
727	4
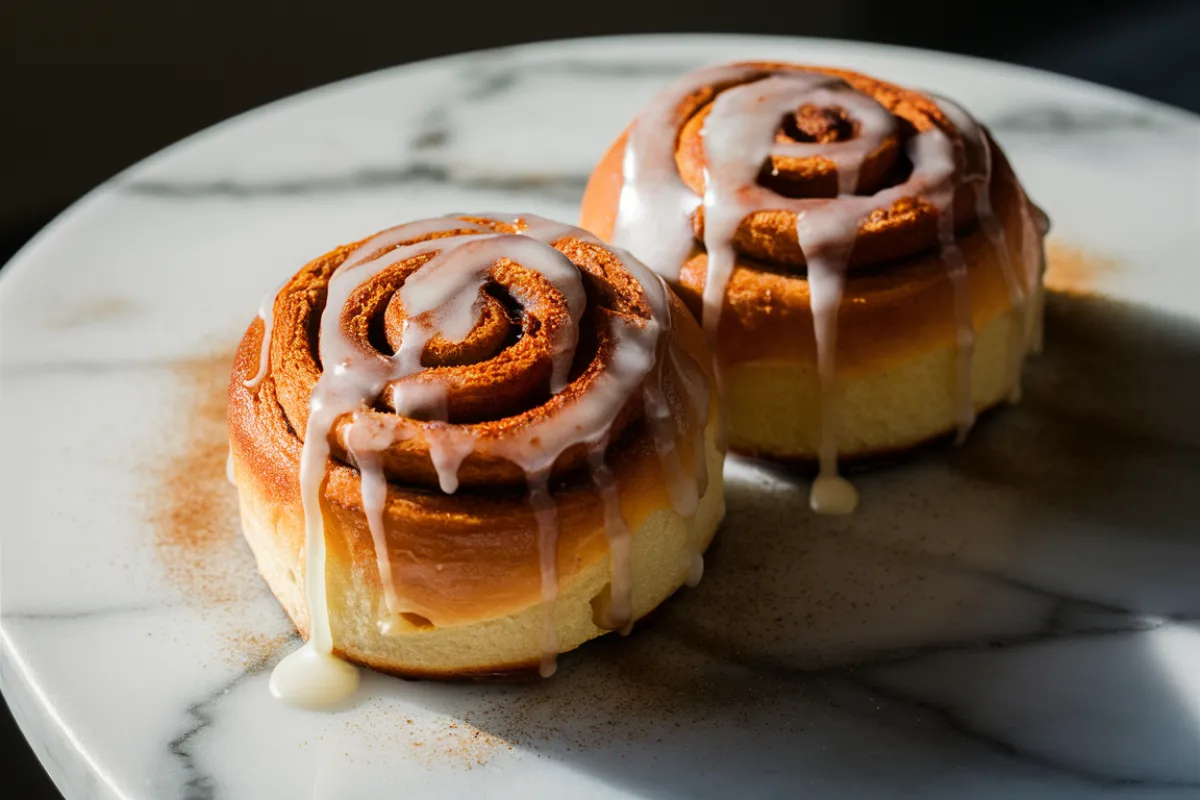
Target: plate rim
24	672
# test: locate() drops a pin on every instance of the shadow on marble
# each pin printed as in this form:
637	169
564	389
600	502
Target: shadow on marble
1023	604
1017	617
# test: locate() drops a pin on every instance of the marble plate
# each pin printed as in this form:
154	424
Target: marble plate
1018	617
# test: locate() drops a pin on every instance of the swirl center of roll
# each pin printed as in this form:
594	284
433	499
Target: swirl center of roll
495	327
470	351
482	331
811	123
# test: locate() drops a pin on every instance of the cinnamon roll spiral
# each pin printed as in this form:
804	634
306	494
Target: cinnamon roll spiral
864	260
467	444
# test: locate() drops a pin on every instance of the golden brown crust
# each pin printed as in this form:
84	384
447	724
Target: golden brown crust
898	301
887	313
493	392
472	556
492	646
905	228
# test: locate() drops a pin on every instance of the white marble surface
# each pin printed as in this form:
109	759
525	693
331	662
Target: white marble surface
1020	617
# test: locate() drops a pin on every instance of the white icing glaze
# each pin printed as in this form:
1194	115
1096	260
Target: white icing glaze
313	678
442	298
833	495
546	514
695	384
653	214
364	441
448	448
1034	225
695	569
266	310
739	133
980	146
445	300
681	486
619	614
964	326
739	136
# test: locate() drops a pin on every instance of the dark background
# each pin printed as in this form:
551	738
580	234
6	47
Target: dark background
88	88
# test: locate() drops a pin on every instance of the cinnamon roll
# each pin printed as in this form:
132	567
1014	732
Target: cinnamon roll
466	445
865	262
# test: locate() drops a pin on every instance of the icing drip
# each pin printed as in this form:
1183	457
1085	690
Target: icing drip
680	485
266	314
653	214
448	448
313	678
964	326
964	340
978	143
365	440
695	570
619	613
685	490
696	386
443	298
739	136
547	524
1034	225
831	493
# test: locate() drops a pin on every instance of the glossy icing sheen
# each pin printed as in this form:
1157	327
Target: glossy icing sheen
739	137
442	299
1024	612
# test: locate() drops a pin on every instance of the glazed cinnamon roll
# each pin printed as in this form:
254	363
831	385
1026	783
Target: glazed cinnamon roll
865	262
466	445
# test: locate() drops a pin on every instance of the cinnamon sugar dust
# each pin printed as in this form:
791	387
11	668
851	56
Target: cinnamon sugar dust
1073	270
193	508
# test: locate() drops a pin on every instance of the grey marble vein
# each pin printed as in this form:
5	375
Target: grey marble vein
492	75
506	66
95	613
199	784
1010	747
863	675
915	652
553	186
1063	120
